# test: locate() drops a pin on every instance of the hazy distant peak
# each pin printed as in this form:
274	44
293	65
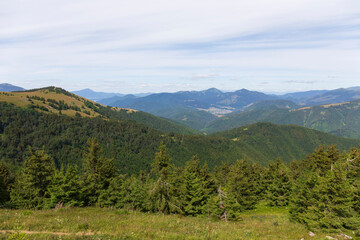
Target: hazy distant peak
212	90
354	88
242	90
7	87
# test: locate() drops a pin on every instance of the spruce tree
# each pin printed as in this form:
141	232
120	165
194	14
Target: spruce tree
31	186
196	188
326	200
279	186
65	188
243	186
352	161
162	191
99	171
4	183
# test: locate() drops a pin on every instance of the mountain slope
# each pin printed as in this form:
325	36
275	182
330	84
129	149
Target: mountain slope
6	87
262	140
190	107
133	145
59	101
269	111
204	100
196	119
300	97
334	96
341	119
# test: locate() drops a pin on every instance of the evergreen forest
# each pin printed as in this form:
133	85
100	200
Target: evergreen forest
60	158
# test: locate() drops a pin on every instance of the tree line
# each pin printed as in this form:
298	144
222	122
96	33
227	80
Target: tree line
322	191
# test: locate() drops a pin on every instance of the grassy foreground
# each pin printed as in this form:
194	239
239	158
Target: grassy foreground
102	223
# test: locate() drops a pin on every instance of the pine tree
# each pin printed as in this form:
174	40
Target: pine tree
162	191
99	171
279	186
326	200
336	201
242	185
31	187
352	161
4	183
322	159
305	197
115	194
196	188
65	188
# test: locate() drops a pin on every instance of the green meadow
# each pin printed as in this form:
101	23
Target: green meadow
105	223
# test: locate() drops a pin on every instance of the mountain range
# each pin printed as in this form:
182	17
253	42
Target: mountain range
61	122
213	110
332	111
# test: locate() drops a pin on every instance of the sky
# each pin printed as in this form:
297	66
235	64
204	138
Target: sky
134	46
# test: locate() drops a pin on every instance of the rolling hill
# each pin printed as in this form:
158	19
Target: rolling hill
334	96
191	108
59	101
133	144
260	140
342	119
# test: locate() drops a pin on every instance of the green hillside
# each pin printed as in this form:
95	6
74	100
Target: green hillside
289	142
59	101
196	119
341	119
133	145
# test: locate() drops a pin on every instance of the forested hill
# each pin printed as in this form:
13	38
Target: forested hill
61	102
133	145
261	140
340	119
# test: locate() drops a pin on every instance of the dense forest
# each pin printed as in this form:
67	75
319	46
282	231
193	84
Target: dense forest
49	159
133	145
322	191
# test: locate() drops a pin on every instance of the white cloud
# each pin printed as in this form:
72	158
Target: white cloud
154	44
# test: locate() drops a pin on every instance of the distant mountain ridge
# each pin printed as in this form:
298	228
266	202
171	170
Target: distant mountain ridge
192	108
97	96
334	96
6	87
204	100
342	119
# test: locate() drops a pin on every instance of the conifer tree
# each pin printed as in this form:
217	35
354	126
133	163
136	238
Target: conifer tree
115	194
196	188
305	197
352	161
279	187
162	191
336	201
322	159
99	171
31	187
242	185
65	188
4	182
325	200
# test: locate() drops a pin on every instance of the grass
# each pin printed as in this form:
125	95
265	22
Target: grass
20	99
104	223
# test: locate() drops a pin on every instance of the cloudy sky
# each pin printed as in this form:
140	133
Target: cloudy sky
133	46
